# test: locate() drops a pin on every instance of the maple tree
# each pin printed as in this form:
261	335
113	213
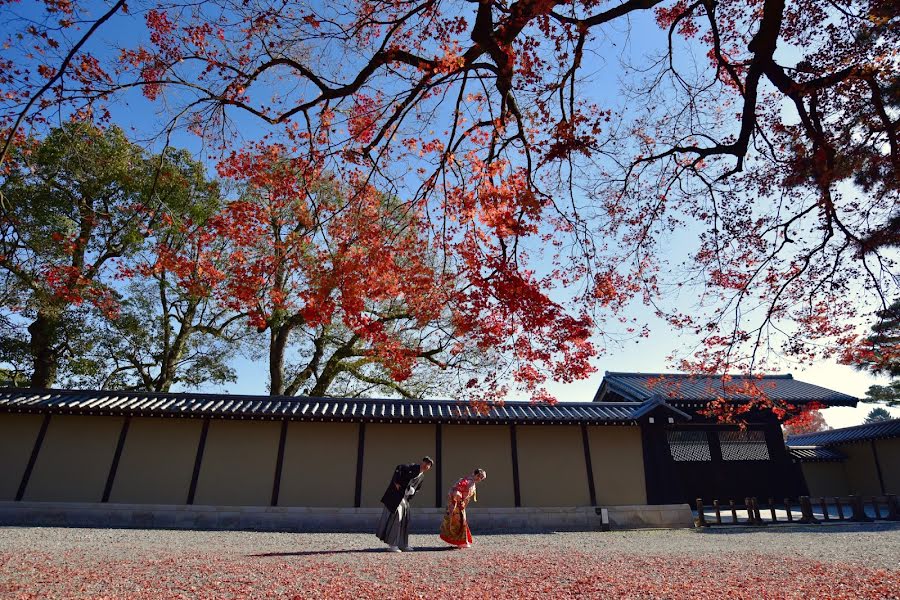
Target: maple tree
810	422
339	275
168	329
770	129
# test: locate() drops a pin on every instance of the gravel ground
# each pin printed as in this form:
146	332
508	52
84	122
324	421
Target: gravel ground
828	561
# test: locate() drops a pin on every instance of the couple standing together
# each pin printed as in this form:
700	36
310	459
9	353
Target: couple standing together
393	527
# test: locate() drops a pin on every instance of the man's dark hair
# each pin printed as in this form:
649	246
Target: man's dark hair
429	460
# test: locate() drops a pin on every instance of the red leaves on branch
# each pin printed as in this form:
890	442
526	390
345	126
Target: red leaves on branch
762	188
808	420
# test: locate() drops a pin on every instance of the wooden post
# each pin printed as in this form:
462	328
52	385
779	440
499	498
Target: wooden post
806	511
772	510
360	457
701	517
877	467
790	512
751	518
38	442
517	494
893	509
876	507
198	461
824	504
279	463
114	467
439	466
718	512
859	510
733	511
588	463
840	509
757	516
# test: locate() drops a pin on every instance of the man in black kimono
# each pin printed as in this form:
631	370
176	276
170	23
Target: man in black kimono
393	527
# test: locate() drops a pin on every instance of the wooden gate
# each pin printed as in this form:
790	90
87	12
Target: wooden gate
687	462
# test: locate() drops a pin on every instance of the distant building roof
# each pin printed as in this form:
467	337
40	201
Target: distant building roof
815	454
225	406
860	433
678	388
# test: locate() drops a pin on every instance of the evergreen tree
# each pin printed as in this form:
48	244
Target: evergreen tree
877	414
882	355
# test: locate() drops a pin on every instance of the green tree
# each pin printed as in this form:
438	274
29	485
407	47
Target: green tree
171	331
877	414
79	208
880	355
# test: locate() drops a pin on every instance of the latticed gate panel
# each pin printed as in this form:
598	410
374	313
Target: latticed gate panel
743	445
688	446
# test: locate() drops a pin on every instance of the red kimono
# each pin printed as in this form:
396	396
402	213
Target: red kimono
455	526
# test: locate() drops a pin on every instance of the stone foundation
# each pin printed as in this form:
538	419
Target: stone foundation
300	519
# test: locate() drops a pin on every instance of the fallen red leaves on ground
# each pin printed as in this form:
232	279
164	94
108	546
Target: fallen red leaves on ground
451	574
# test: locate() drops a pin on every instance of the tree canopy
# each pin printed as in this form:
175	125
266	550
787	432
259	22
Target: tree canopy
767	130
879	354
810	422
80	206
877	415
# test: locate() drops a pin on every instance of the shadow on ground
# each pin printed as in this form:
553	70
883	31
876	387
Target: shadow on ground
822	528
345	551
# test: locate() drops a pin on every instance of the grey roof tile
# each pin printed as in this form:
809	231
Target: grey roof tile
815	454
678	387
845	435
318	409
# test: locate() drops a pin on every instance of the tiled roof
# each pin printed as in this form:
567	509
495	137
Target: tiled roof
845	435
226	406
815	454
677	388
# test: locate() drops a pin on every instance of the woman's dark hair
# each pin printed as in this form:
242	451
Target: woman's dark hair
479	472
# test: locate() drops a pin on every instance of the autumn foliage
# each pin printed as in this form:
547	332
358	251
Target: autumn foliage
462	161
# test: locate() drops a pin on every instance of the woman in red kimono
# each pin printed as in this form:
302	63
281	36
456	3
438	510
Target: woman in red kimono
455	526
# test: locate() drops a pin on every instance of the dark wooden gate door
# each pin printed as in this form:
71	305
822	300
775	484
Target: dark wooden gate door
714	462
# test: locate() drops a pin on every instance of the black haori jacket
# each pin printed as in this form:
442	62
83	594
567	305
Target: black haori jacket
403	474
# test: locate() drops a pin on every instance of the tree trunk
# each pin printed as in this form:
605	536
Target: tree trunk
169	367
43	354
333	368
278	340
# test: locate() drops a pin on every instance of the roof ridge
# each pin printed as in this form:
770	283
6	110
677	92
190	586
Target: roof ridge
264	397
697	375
800	436
180	404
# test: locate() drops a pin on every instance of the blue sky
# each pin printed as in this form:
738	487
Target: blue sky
649	355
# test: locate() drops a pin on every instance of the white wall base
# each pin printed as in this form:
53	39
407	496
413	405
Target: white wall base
164	516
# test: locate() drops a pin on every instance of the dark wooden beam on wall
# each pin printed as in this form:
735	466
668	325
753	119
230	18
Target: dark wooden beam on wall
715	448
198	460
114	467
360	456
35	450
517	494
651	477
279	463
438	468
592	490
878	467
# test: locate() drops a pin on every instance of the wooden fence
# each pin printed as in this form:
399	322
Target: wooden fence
811	510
